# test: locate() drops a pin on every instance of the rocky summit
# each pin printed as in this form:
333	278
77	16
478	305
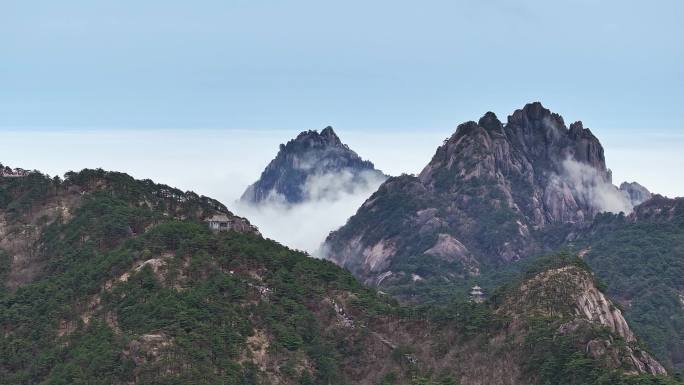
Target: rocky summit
493	193
636	193
312	166
495	197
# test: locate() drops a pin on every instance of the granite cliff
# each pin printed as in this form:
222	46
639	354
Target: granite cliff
493	193
636	193
311	166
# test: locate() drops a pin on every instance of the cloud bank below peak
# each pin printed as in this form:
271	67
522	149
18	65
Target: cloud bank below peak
330	199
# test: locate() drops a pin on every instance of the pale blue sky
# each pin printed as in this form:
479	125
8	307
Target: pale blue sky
199	93
366	65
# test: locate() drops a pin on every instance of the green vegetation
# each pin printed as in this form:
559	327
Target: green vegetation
557	359
131	286
19	195
643	264
393	216
398	203
185	323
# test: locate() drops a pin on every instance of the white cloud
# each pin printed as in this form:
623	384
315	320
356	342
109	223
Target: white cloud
330	201
590	187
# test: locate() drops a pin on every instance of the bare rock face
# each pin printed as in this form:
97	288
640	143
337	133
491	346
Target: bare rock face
636	193
570	294
292	176
493	189
569	291
451	250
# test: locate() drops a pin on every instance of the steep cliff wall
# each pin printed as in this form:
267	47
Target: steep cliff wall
491	194
311	165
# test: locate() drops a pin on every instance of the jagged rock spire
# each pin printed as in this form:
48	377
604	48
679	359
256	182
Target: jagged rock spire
491	189
329	135
309	154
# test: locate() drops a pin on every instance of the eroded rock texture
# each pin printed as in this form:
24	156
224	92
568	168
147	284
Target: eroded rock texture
493	193
312	166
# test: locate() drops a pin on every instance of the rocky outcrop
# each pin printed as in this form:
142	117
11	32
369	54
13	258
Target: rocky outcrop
570	295
571	292
638	256
312	166
493	189
565	299
658	209
560	170
636	193
450	249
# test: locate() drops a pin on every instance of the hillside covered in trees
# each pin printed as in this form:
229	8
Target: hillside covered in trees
641	258
111	280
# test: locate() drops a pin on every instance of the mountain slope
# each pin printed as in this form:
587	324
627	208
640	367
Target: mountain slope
641	256
311	166
491	194
129	286
564	298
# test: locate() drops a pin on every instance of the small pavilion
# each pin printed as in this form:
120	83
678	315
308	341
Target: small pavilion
476	294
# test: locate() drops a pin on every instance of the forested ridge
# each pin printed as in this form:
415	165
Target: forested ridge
641	258
110	280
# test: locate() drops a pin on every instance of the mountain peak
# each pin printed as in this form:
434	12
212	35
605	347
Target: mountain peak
310	154
484	198
535	116
490	122
577	129
329	133
312	138
636	193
